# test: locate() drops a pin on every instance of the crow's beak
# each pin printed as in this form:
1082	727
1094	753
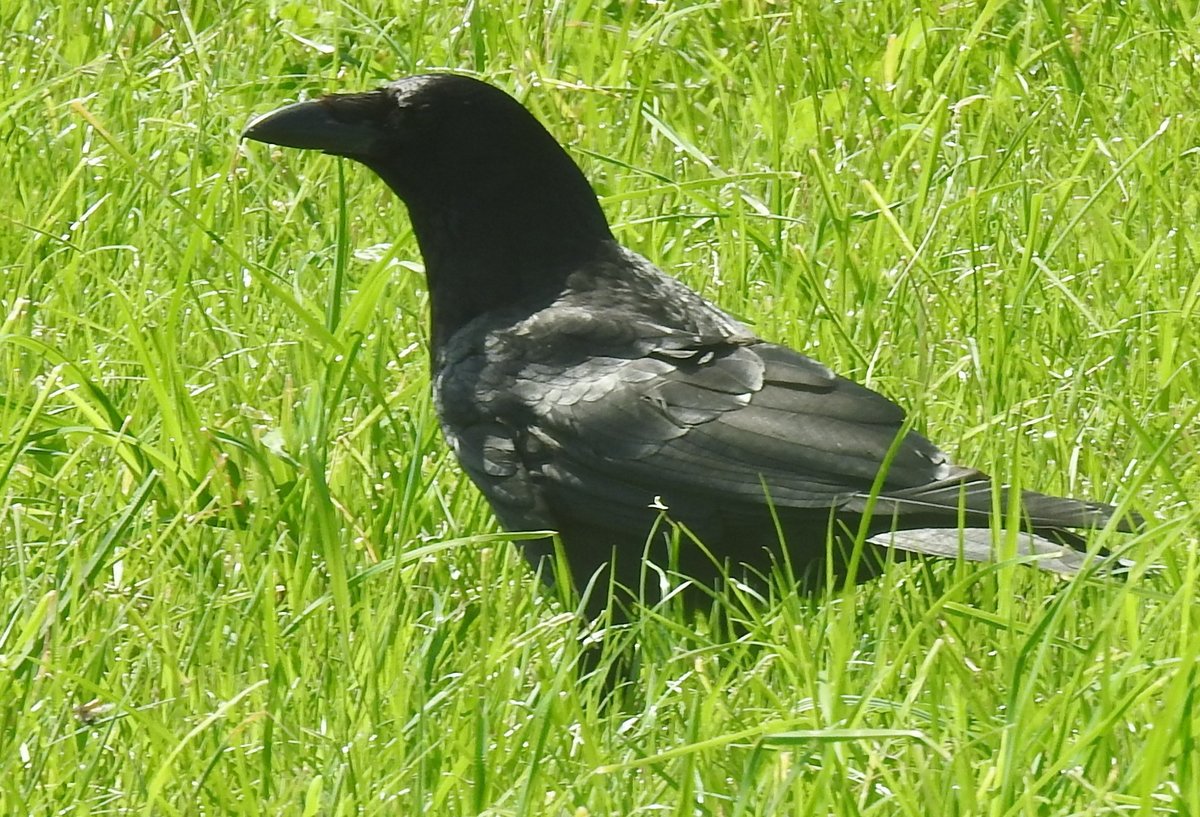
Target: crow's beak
314	126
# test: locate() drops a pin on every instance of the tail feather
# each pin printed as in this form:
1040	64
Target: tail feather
979	545
970	492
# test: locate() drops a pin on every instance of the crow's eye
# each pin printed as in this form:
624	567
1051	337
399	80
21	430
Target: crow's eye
413	117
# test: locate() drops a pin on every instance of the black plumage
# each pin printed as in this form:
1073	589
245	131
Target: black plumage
584	391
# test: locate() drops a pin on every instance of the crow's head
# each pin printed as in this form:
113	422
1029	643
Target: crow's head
445	143
500	211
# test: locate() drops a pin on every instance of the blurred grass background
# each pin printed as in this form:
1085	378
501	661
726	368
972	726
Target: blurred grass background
240	574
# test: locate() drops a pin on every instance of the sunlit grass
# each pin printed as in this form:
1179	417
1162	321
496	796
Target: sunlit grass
241	574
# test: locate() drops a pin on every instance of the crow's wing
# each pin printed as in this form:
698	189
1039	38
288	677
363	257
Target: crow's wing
717	428
723	423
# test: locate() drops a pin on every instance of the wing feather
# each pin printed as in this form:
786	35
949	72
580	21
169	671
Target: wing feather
739	422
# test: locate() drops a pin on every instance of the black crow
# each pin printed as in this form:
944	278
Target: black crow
587	393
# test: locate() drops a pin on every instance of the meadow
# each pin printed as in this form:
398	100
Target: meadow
240	573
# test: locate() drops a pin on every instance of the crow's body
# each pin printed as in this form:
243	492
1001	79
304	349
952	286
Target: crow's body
584	391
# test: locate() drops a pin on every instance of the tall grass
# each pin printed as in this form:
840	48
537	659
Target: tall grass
240	574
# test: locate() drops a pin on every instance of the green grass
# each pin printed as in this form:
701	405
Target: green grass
240	574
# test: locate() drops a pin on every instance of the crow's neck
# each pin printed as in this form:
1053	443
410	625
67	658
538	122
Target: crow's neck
483	256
